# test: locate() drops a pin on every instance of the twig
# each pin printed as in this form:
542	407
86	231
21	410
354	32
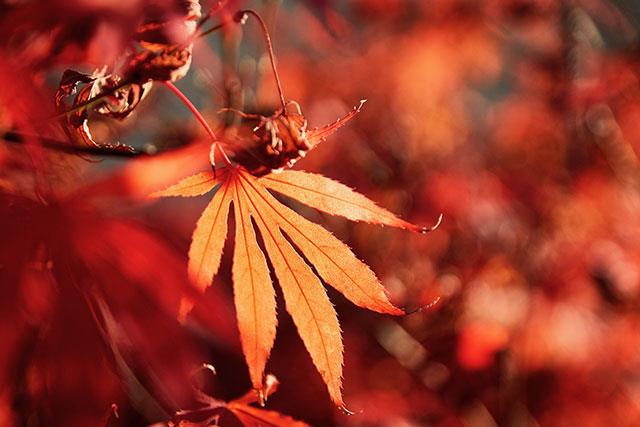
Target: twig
65	147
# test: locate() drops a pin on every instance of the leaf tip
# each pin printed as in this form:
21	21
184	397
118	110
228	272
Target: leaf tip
397	311
425	230
424	307
262	398
348	412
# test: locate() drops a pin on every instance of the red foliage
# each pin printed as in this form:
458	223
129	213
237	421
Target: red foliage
517	120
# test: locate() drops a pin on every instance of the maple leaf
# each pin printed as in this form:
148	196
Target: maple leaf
286	237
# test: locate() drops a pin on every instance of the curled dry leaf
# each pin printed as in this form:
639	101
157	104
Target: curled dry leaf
286	237
165	56
167	44
280	140
112	98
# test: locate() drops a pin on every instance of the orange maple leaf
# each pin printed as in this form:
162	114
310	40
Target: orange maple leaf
285	234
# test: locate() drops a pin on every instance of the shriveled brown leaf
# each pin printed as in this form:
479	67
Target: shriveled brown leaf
103	93
282	139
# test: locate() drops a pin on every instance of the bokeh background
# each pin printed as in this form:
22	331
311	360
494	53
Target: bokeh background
519	120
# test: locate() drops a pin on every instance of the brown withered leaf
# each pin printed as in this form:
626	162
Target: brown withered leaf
286	236
236	412
165	56
168	24
167	44
169	64
283	138
112	98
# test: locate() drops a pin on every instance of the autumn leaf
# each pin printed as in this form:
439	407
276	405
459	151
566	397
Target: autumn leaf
254	296
287	238
334	198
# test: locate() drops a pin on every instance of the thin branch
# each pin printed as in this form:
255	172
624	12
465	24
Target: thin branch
212	29
65	147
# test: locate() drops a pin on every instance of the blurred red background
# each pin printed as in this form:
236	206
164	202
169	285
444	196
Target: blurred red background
516	119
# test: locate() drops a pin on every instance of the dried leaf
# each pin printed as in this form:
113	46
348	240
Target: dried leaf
167	44
316	135
283	138
164	57
169	64
104	94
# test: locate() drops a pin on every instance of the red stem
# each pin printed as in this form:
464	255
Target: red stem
198	116
267	39
192	108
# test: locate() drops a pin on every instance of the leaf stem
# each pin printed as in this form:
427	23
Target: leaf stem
191	108
241	17
65	147
212	29
200	118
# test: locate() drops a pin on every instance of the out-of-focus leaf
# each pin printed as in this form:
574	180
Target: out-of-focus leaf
236	412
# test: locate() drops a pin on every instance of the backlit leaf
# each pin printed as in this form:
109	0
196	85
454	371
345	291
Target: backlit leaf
287	238
194	185
208	238
306	300
333	198
254	295
333	260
